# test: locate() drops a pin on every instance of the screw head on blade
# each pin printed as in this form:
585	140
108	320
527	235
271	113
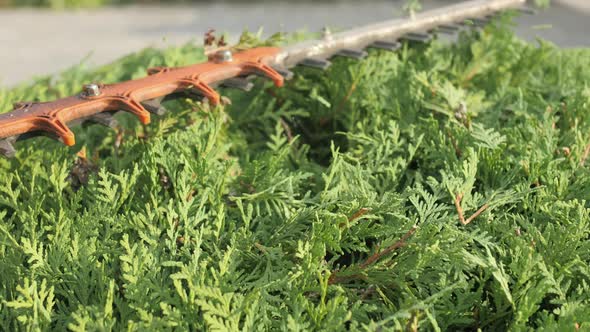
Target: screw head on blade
224	56
91	90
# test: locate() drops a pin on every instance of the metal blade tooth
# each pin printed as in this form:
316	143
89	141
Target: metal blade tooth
417	37
286	73
154	106
447	29
238	83
198	87
192	94
264	70
315	63
350	53
40	133
173	96
130	105
33	134
386	45
105	119
6	147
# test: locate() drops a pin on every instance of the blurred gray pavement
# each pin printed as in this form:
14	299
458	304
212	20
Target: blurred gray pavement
37	42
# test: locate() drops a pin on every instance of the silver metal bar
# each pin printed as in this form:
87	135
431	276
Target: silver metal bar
361	37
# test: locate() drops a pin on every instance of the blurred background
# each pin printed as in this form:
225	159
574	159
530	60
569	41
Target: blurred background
40	37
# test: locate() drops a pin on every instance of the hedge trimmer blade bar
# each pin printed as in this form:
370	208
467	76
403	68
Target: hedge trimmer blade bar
141	97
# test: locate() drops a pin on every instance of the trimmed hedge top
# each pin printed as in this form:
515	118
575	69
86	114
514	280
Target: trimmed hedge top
440	188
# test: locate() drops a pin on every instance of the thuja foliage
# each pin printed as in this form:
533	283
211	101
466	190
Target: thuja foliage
443	187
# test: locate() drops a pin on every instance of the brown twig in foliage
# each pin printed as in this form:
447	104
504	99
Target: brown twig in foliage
335	278
348	94
358	214
458	199
367	292
221	42
287	129
378	254
412	324
209	39
361	212
585	155
212	44
462	219
477	213
83	168
458	151
347	97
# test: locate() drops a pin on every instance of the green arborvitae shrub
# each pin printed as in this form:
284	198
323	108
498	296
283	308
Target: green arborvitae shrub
331	204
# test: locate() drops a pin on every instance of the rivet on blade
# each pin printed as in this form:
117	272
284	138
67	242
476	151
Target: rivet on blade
224	56
91	90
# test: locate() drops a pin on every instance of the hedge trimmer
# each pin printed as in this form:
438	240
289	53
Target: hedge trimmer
227	67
